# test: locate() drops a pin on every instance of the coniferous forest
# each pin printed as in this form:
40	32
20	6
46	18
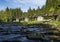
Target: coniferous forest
51	8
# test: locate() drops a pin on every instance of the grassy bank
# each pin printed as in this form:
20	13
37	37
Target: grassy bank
31	22
55	22
36	22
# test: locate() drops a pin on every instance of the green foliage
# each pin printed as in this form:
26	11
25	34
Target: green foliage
10	13
52	7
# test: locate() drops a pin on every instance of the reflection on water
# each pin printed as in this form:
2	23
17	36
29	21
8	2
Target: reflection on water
17	33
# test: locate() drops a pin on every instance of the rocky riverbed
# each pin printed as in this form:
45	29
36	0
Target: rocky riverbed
28	33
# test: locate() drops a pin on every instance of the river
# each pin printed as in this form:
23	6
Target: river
17	33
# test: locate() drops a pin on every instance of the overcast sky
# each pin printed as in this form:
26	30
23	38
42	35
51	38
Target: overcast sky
23	4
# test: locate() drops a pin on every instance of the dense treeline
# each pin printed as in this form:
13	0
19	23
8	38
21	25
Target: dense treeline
52	7
17	13
10	13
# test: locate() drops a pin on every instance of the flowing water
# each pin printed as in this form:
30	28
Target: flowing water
15	33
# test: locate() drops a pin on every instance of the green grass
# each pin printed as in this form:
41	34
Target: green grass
31	22
36	22
55	22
